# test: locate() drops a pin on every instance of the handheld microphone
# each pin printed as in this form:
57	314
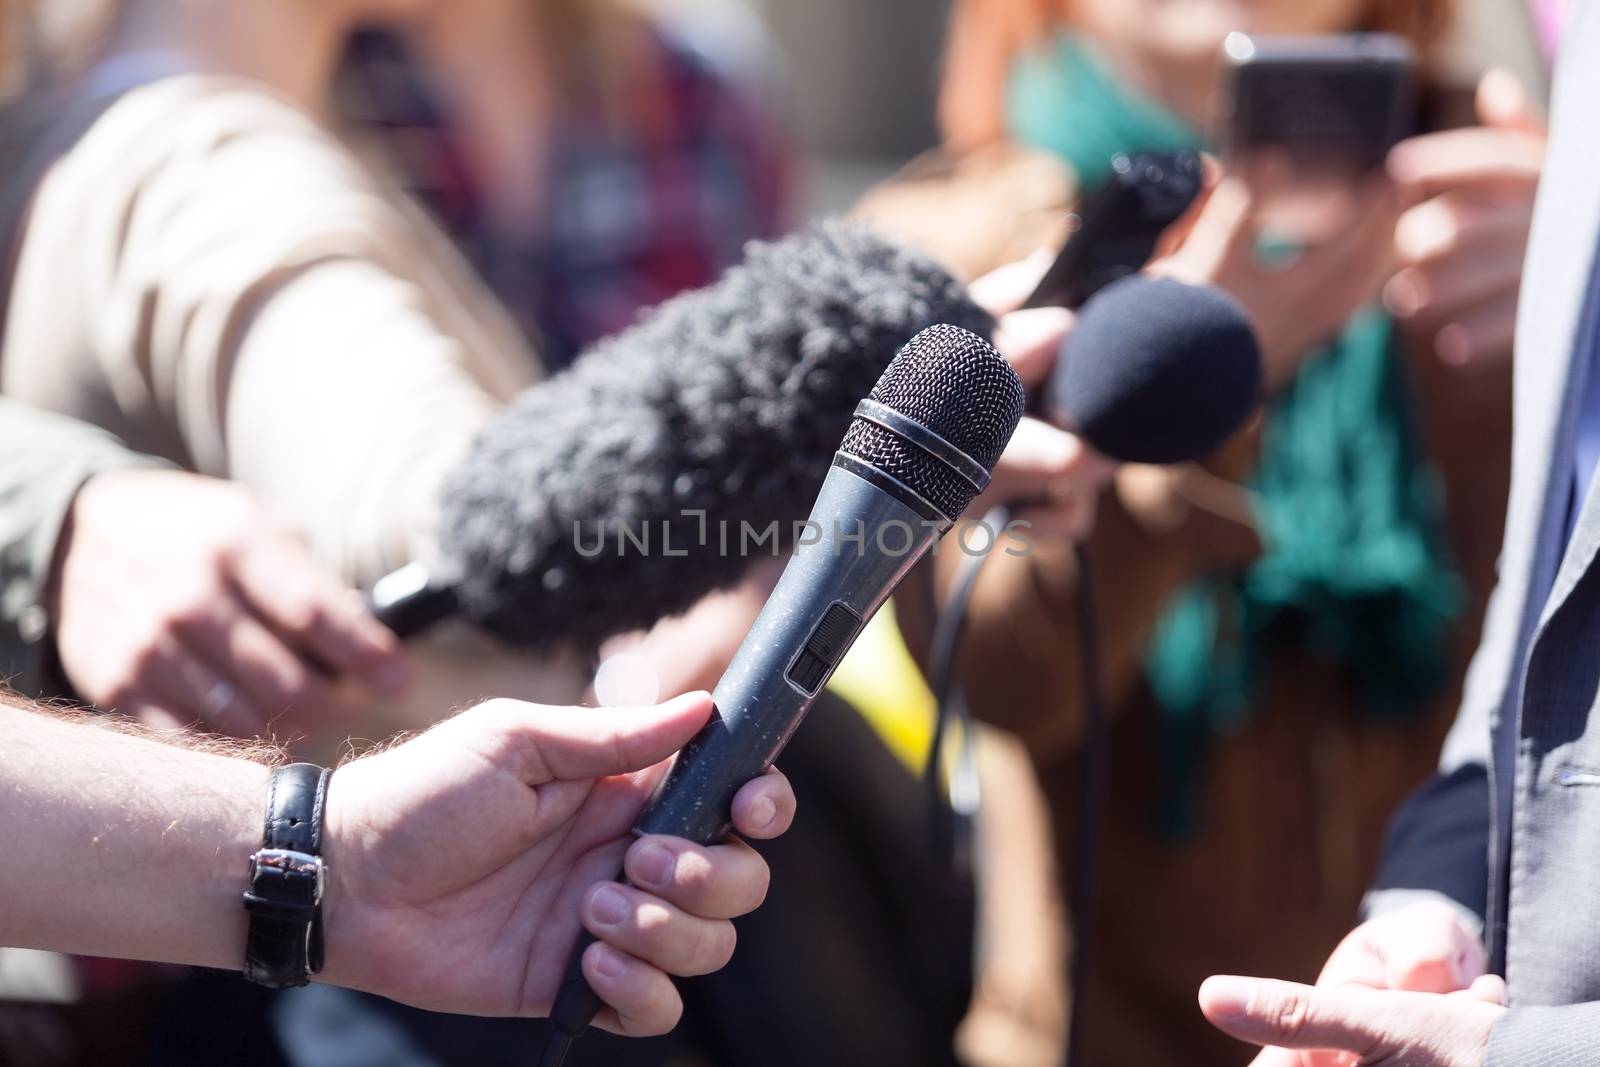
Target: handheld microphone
1154	371
595	503
917	452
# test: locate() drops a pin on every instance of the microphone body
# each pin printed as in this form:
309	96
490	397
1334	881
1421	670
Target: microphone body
830	588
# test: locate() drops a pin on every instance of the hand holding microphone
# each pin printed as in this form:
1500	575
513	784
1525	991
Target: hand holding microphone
917	452
176	599
1049	476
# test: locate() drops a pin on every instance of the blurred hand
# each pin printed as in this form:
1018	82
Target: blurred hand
689	651
461	862
175	599
1051	477
1421	948
1367	1027
1460	247
1295	305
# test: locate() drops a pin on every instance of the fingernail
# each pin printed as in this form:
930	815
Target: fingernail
652	864
1226	997
763	812
1402	296
1454	345
609	962
1398	162
608	906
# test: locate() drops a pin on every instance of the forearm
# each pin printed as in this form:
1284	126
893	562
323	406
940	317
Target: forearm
119	845
1546	1037
348	404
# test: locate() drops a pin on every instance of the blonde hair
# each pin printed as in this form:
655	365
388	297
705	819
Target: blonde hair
986	37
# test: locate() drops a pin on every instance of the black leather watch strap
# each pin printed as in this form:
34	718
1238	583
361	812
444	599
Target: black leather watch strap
284	945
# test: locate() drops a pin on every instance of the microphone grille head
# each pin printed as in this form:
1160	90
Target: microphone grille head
952	383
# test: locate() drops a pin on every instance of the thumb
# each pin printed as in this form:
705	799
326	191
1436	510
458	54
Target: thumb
1503	103
1264	1011
1043	462
565	744
1002	290
1041	451
1223	230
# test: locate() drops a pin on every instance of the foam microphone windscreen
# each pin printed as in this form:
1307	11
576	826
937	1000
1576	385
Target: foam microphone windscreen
1156	371
627	488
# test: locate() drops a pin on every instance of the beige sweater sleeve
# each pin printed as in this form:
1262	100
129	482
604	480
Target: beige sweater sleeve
211	276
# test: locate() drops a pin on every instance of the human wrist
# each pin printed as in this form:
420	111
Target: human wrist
239	838
199	826
288	880
340	856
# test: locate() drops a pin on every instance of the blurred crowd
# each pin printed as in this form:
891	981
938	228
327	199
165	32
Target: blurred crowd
268	267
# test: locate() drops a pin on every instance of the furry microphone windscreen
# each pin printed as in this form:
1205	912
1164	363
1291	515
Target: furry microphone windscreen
668	458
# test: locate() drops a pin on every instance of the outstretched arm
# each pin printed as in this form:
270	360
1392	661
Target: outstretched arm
461	863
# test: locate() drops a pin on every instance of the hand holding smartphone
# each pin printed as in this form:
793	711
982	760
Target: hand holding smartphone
1328	106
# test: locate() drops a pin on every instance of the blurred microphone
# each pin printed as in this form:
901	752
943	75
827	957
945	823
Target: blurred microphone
1156	371
608	497
917	452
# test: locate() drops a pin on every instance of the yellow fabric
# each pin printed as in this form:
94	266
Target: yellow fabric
881	680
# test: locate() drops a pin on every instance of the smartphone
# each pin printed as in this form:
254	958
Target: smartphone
1115	229
1329	106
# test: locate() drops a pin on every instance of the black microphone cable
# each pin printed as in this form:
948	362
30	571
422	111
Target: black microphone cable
955	825
953	805
1091	797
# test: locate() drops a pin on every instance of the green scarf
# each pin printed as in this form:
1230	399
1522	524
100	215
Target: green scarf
1065	99
1355	573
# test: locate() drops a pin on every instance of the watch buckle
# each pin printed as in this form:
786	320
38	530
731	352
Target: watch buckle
291	862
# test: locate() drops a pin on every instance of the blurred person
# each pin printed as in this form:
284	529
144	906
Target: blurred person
1497	845
205	271
420	895
167	595
588	158
1282	627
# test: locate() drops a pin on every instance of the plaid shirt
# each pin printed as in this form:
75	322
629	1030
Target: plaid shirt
638	209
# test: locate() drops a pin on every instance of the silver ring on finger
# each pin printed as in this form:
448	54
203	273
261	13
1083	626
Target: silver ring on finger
219	699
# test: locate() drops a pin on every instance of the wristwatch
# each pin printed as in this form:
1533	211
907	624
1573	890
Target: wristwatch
287	878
